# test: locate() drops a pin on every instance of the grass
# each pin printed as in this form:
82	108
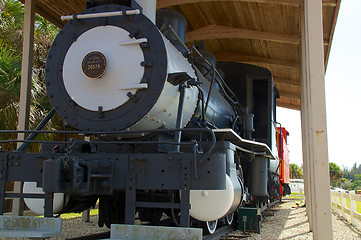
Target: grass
358	204
76	215
295	195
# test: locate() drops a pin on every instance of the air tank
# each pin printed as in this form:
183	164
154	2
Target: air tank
258	176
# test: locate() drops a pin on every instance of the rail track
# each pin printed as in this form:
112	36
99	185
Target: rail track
102	235
220	232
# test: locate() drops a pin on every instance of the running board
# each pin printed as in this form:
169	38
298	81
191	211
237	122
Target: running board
30	227
257	148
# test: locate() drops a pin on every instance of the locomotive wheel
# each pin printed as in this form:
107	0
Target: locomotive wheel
111	210
210	227
150	215
229	218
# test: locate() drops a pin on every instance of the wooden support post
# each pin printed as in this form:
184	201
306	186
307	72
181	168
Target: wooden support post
313	116
304	126
25	88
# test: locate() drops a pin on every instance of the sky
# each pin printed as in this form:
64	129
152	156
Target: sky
343	94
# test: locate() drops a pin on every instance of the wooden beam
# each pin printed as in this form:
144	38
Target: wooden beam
290	94
287	81
46	13
294	3
25	91
335	15
313	121
238	57
289	102
290	91
222	32
288	105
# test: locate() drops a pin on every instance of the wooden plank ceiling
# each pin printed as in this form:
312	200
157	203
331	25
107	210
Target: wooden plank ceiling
262	32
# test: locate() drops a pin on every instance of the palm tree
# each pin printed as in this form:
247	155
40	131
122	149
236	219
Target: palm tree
11	25
10	65
296	171
335	173
12	21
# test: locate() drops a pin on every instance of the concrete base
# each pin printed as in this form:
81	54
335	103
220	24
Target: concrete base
30	227
136	232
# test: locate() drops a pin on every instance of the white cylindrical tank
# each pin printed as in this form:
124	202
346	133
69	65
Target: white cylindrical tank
37	205
210	205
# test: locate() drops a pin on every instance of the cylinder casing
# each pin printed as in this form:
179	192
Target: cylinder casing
258	183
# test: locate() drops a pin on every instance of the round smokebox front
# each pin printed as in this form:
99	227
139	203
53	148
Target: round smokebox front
105	74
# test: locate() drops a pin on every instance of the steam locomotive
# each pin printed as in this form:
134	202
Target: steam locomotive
162	128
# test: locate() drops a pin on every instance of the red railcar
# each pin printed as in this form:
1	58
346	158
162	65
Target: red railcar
284	165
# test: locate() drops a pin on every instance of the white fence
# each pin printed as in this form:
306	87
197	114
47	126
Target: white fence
297	194
296	186
340	200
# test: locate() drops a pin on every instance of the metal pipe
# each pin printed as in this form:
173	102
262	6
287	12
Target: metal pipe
99	15
250	151
39	127
169	27
110	132
178	134
210	87
195	159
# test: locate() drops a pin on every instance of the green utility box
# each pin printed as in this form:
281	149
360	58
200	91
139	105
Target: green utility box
249	219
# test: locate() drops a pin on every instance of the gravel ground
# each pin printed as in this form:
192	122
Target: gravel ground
288	222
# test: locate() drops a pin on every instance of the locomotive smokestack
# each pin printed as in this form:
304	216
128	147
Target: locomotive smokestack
149	8
169	17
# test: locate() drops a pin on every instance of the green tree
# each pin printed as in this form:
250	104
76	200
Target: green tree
335	174
11	26
356	185
296	171
344	183
346	173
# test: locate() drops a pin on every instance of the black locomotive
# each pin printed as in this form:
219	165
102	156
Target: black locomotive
164	129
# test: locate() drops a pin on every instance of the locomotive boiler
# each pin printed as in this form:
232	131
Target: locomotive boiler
163	129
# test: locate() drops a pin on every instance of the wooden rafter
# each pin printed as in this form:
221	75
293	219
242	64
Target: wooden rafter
289	94
289	91
338	2
222	32
238	57
288	105
287	102
295	3
286	81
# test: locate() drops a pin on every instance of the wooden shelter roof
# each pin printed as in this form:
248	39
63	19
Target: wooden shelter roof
266	33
